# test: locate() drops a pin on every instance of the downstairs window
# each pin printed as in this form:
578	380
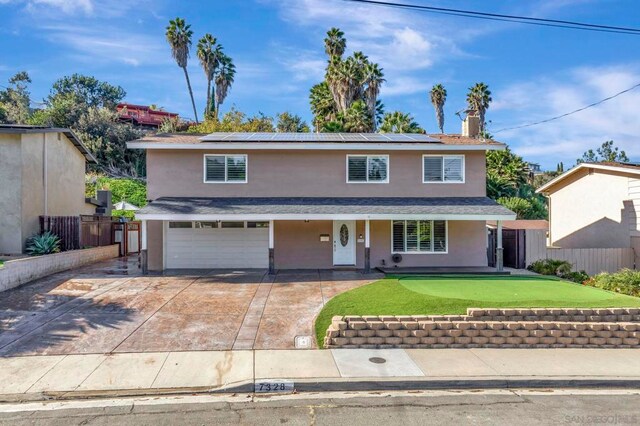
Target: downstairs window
419	236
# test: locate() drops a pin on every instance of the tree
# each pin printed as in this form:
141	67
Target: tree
478	100
357	119
398	122
209	52
223	79
347	81
15	100
179	37
235	121
287	122
322	106
607	152
438	96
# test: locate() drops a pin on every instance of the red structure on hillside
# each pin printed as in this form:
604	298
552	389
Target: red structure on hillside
142	115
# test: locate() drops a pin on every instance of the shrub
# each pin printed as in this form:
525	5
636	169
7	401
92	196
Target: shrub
550	267
45	243
559	268
625	281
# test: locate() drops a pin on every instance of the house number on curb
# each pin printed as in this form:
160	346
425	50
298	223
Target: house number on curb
272	386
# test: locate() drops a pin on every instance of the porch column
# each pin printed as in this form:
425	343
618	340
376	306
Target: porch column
272	268
143	247
499	249
367	250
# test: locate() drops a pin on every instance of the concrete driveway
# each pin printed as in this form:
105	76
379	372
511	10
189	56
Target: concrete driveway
109	307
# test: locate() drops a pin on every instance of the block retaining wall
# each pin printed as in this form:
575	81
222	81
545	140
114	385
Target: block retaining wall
20	271
491	328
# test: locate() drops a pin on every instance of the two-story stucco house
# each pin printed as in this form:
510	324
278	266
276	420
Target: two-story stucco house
316	201
42	173
595	205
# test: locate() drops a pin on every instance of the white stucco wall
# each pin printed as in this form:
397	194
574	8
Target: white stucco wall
10	194
591	210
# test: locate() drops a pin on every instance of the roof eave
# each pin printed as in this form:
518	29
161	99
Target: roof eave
544	189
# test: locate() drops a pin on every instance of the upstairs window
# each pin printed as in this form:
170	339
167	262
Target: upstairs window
442	168
419	236
367	168
225	168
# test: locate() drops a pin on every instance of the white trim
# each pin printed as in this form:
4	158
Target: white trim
387	146
165	226
446	237
143	234
271	234
367	232
367	156
246	168
580	166
328	216
464	162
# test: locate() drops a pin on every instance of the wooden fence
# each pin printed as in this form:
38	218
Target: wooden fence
78	232
591	260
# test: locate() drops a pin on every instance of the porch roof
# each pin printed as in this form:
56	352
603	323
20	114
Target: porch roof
324	208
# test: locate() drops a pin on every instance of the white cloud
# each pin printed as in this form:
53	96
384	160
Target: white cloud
107	44
567	138
94	8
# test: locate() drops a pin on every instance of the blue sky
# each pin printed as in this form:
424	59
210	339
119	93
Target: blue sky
533	72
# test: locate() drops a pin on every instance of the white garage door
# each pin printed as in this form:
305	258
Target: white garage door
217	245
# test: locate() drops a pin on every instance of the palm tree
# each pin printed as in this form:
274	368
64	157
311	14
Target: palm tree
209	52
179	38
438	98
478	99
374	80
322	105
357	118
398	122
224	80
335	43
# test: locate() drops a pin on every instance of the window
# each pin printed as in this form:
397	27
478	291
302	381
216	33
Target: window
442	168
177	225
206	225
419	236
257	224
367	168
232	225
225	168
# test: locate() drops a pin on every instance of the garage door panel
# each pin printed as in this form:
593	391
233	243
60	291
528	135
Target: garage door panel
217	248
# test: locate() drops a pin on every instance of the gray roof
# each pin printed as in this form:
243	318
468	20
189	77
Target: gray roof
317	137
75	140
313	205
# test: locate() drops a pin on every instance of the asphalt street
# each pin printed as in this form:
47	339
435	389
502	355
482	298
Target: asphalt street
490	407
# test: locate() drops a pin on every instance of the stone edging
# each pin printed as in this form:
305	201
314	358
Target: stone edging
491	328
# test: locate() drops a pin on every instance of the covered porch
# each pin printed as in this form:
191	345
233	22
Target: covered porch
317	233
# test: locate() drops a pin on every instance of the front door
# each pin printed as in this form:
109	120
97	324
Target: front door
344	242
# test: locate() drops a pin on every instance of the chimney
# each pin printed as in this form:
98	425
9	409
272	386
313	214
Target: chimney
471	125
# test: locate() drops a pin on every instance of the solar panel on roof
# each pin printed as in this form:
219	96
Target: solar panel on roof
316	137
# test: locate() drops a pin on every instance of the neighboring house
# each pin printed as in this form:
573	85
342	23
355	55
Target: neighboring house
315	200
142	115
595	205
42	171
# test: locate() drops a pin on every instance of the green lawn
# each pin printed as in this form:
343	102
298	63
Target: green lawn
397	295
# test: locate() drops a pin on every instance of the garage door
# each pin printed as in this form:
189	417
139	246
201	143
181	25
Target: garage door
217	245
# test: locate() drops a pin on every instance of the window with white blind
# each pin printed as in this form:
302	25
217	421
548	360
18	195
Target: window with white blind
367	168
443	168
225	168
419	236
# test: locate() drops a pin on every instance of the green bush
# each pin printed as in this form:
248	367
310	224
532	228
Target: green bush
625	281
559	268
550	267
45	243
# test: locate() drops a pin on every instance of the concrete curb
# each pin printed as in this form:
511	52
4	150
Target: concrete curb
345	385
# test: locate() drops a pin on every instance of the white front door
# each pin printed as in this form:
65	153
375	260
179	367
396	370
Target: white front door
344	242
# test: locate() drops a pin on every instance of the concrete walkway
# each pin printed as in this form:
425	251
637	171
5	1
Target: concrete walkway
346	369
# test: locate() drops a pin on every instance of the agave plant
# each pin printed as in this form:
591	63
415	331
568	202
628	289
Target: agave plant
45	243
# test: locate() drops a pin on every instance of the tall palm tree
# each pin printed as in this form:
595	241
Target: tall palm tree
322	105
179	38
478	99
223	80
438	98
335	43
357	119
398	122
373	82
209	52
